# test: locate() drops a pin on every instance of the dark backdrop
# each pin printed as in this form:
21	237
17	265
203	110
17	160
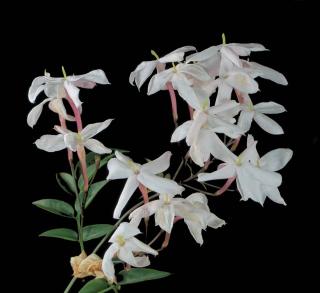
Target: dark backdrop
259	248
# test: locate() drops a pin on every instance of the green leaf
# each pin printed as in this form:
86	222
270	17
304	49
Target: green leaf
55	206
137	275
96	286
61	184
93	191
76	203
96	231
91	170
62	233
69	180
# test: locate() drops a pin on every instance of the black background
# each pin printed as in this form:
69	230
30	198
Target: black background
260	248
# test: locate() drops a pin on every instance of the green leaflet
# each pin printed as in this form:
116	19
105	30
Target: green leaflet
69	181
137	275
62	233
96	286
55	206
96	231
93	191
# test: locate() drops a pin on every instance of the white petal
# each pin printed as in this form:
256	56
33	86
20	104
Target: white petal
269	108
245	49
36	88
118	170
215	222
89	79
224	92
96	147
93	129
51	143
141	247
158	165
73	93
126	230
56	105
107	264
181	131
242	82
129	188
186	92
203	55
276	159
195	231
196	155
245	120
199	120
197	197
219	150
159	184
144	211
273	193
263	176
268	73
220	126
267	124
164	217
193	70
177	55
228	53
35	113
71	141
123	158
142	72
225	172
159	80
226	106
248	186
127	256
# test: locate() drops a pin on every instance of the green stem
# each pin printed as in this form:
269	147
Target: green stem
70	285
199	190
79	217
178	170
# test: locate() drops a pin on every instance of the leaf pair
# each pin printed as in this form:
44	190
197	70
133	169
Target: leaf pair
135	275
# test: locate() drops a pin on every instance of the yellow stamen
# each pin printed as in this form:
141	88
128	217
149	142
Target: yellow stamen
153	53
223	39
120	240
64	72
133	166
174	67
205	104
238	161
250	106
166	199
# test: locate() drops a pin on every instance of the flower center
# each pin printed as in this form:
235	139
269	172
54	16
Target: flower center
120	240
134	167
250	106
239	161
79	138
166	199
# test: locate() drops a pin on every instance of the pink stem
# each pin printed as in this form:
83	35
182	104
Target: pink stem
144	193
235	144
191	112
80	150
64	125
225	186
166	241
173	102
239	97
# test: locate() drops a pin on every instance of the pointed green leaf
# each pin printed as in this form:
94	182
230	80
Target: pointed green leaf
59	181
69	181
91	170
77	204
55	206
62	233
137	275
93	191
96	286
96	231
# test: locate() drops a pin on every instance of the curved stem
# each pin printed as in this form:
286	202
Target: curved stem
73	280
199	190
204	168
